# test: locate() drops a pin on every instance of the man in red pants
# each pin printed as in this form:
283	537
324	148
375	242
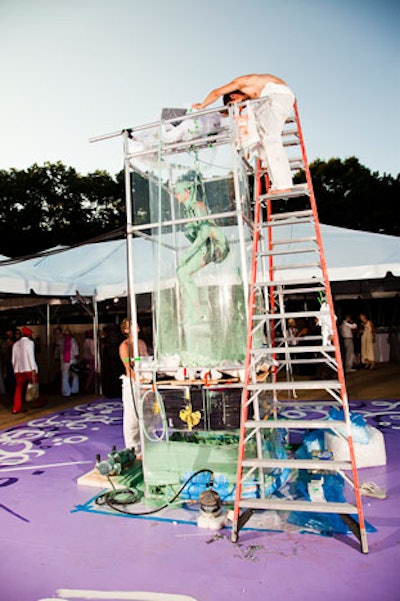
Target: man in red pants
25	367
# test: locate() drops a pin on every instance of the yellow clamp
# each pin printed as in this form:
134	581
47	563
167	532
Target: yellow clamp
190	417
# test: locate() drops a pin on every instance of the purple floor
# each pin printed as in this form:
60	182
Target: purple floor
56	544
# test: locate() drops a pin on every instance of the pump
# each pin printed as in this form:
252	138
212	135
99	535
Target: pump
116	462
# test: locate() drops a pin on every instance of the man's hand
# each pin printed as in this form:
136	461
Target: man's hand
198	106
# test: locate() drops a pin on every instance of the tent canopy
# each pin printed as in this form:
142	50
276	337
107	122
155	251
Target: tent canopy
99	270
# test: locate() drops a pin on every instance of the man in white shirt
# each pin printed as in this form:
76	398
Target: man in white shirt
24	365
347	328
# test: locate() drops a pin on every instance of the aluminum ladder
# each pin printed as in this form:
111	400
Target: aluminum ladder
285	268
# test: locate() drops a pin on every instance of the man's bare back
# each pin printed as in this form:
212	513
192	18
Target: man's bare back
251	87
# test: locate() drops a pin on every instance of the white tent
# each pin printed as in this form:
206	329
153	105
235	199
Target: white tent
99	270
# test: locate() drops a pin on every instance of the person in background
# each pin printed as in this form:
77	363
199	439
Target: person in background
367	342
347	331
131	428
9	378
292	339
89	359
305	331
24	366
293	332
69	358
58	347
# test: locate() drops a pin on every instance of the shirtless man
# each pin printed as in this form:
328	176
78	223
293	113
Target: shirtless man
270	115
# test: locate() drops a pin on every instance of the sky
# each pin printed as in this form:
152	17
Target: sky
73	70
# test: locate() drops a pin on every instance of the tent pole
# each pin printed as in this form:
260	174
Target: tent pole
48	342
98	388
129	247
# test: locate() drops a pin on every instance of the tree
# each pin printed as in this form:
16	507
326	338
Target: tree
45	206
349	195
54	205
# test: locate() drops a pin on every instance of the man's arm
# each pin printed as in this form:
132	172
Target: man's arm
218	92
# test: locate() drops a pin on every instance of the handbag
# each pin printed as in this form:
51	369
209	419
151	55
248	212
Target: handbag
32	392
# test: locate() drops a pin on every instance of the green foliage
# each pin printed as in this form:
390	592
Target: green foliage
50	205
54	205
349	195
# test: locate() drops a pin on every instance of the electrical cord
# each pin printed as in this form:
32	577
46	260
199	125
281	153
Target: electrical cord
110	497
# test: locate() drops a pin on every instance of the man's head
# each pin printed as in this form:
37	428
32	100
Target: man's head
126	327
235	96
26	331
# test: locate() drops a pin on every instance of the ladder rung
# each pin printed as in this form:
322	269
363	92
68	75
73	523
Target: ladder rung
290	142
296	349
285	403
290	282
293	314
287	505
303	361
278	268
288	251
295	241
296	190
296	160
302	290
297	385
301	464
296	424
290	132
290	215
285	222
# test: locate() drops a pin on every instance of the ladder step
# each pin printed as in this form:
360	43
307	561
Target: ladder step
287	505
297	161
296	424
304	361
290	132
292	220
290	282
294	241
279	268
288	251
296	349
290	215
292	314
296	190
305	290
297	385
301	464
297	404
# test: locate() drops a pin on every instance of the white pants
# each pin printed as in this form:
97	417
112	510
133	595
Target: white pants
130	420
348	347
69	380
270	118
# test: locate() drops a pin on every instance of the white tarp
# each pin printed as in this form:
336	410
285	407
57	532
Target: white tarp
99	270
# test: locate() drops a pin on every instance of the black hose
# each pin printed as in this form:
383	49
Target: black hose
110	498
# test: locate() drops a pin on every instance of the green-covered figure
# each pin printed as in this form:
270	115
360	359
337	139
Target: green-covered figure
208	245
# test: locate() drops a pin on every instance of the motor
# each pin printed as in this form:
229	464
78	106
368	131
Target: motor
116	462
